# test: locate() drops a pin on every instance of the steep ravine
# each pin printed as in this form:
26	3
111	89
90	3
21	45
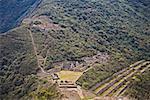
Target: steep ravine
12	12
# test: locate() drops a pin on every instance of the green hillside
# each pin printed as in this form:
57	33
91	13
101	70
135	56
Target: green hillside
18	68
88	27
68	30
115	27
18	64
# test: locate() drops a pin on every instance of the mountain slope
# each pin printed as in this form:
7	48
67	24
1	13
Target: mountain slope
19	68
68	30
17	63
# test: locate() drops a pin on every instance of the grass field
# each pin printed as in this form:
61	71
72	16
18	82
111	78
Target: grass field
69	75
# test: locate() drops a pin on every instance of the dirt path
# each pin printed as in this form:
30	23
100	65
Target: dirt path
80	92
35	52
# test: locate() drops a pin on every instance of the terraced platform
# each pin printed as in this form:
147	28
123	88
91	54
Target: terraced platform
116	85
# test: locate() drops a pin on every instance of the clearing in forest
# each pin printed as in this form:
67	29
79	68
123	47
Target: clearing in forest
69	75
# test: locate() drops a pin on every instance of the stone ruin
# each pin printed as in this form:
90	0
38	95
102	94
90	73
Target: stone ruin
85	63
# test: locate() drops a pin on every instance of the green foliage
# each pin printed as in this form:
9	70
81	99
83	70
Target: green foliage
91	26
17	64
46	93
118	27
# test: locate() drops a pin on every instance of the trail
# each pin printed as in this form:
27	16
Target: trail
79	90
35	52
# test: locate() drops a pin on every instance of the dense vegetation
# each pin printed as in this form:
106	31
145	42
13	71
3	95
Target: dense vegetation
46	93
17	64
118	27
18	68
